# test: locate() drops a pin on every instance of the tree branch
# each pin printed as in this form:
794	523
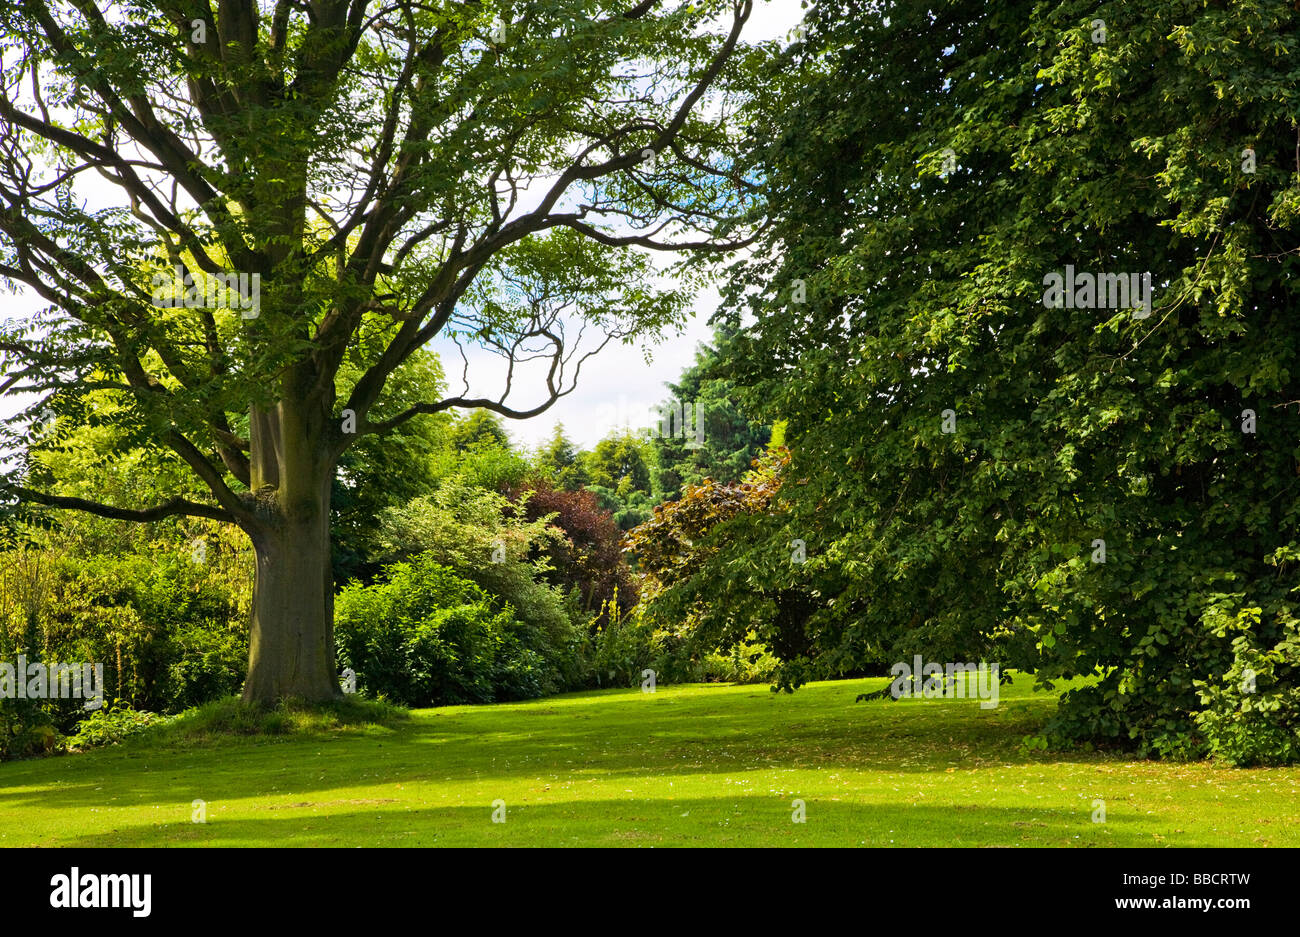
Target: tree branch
172	508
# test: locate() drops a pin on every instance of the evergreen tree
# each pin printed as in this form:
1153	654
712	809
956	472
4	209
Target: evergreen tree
717	440
560	461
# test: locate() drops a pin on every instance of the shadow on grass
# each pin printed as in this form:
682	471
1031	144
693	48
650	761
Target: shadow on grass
686	731
733	821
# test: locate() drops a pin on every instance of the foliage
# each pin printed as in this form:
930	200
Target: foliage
26	725
490	467
298	204
621	460
713	578
620	473
627	506
481	536
627	645
624	646
920	210
424	636
1252	712
110	725
381	471
560	463
588	559
478	430
168	631
731	441
162	608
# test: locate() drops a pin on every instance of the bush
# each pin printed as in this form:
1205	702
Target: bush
588	560
1253	712
749	662
169	632
623	647
27	726
626	645
110	725
478	535
207	662
424	636
522	675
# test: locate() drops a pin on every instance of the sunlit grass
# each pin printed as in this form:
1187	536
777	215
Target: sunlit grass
689	765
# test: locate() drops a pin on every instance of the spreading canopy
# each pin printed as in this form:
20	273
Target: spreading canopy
294	197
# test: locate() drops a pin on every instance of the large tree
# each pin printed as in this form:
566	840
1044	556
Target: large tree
1113	483
340	181
713	437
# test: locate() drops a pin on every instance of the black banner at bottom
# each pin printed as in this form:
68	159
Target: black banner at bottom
146	887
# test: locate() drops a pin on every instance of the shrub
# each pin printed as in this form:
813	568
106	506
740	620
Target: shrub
626	645
206	662
27	726
588	560
479	536
169	632
1252	714
425	636
110	725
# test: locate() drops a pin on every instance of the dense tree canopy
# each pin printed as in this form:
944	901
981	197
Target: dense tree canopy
1083	487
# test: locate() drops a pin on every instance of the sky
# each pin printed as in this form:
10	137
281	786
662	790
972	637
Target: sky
618	388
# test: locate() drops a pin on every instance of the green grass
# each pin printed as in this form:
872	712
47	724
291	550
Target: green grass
686	766
217	721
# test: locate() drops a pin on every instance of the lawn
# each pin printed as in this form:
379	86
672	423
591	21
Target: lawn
686	766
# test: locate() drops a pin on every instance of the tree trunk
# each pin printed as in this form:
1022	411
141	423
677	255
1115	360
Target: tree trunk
291	642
